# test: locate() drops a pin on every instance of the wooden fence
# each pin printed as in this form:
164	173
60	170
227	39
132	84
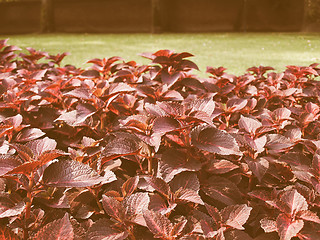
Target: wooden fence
126	16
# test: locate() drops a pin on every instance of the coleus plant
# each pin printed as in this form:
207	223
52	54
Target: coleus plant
128	151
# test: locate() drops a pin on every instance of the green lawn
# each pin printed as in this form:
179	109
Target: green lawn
235	51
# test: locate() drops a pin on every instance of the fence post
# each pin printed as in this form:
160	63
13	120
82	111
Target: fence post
156	19
47	16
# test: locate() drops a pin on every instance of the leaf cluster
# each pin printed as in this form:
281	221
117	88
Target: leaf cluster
128	151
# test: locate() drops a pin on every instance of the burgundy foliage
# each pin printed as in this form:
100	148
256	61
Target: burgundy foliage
128	151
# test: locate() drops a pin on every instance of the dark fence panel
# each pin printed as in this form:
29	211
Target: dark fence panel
274	15
102	16
201	15
119	16
20	17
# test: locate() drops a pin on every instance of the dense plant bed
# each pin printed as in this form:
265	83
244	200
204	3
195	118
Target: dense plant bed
121	150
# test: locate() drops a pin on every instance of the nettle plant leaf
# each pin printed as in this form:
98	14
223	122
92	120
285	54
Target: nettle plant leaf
236	215
29	134
159	185
174	161
69	173
294	202
58	229
158	224
222	189
8	163
8	208
103	229
130	186
250	125
213	140
134	206
288	228
114	208
162	125
258	166
7	234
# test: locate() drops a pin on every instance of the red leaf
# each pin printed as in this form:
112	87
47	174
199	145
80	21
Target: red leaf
59	229
223	190
6	233
214	213
158	224
174	161
162	125
236	104
24	152
40	146
134	205
185	180
169	79
10	209
130	186
29	134
113	208
235	216
281	114
294	201
221	166
309	216
214	140
258	166
188	195
102	229
250	125
268	225
288	229
8	163
77	117
72	174
159	185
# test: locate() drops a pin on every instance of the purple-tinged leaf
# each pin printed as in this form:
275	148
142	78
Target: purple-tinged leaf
169	79
287	228
113	208
178	228
160	205
158	224
268	225
58	229
258	166
223	190
6	233
256	144
278	143
250	125
236	104
29	134
24	152
8	163
309	216
135	205
316	164
130	186
312	108
9	209
265	196
159	185
235	216
214	140
174	161
174	109
103	230
281	114
162	125
221	166
72	174
79	116
214	213
237	235
185	180
40	146
294	202
188	195
81	93
208	229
